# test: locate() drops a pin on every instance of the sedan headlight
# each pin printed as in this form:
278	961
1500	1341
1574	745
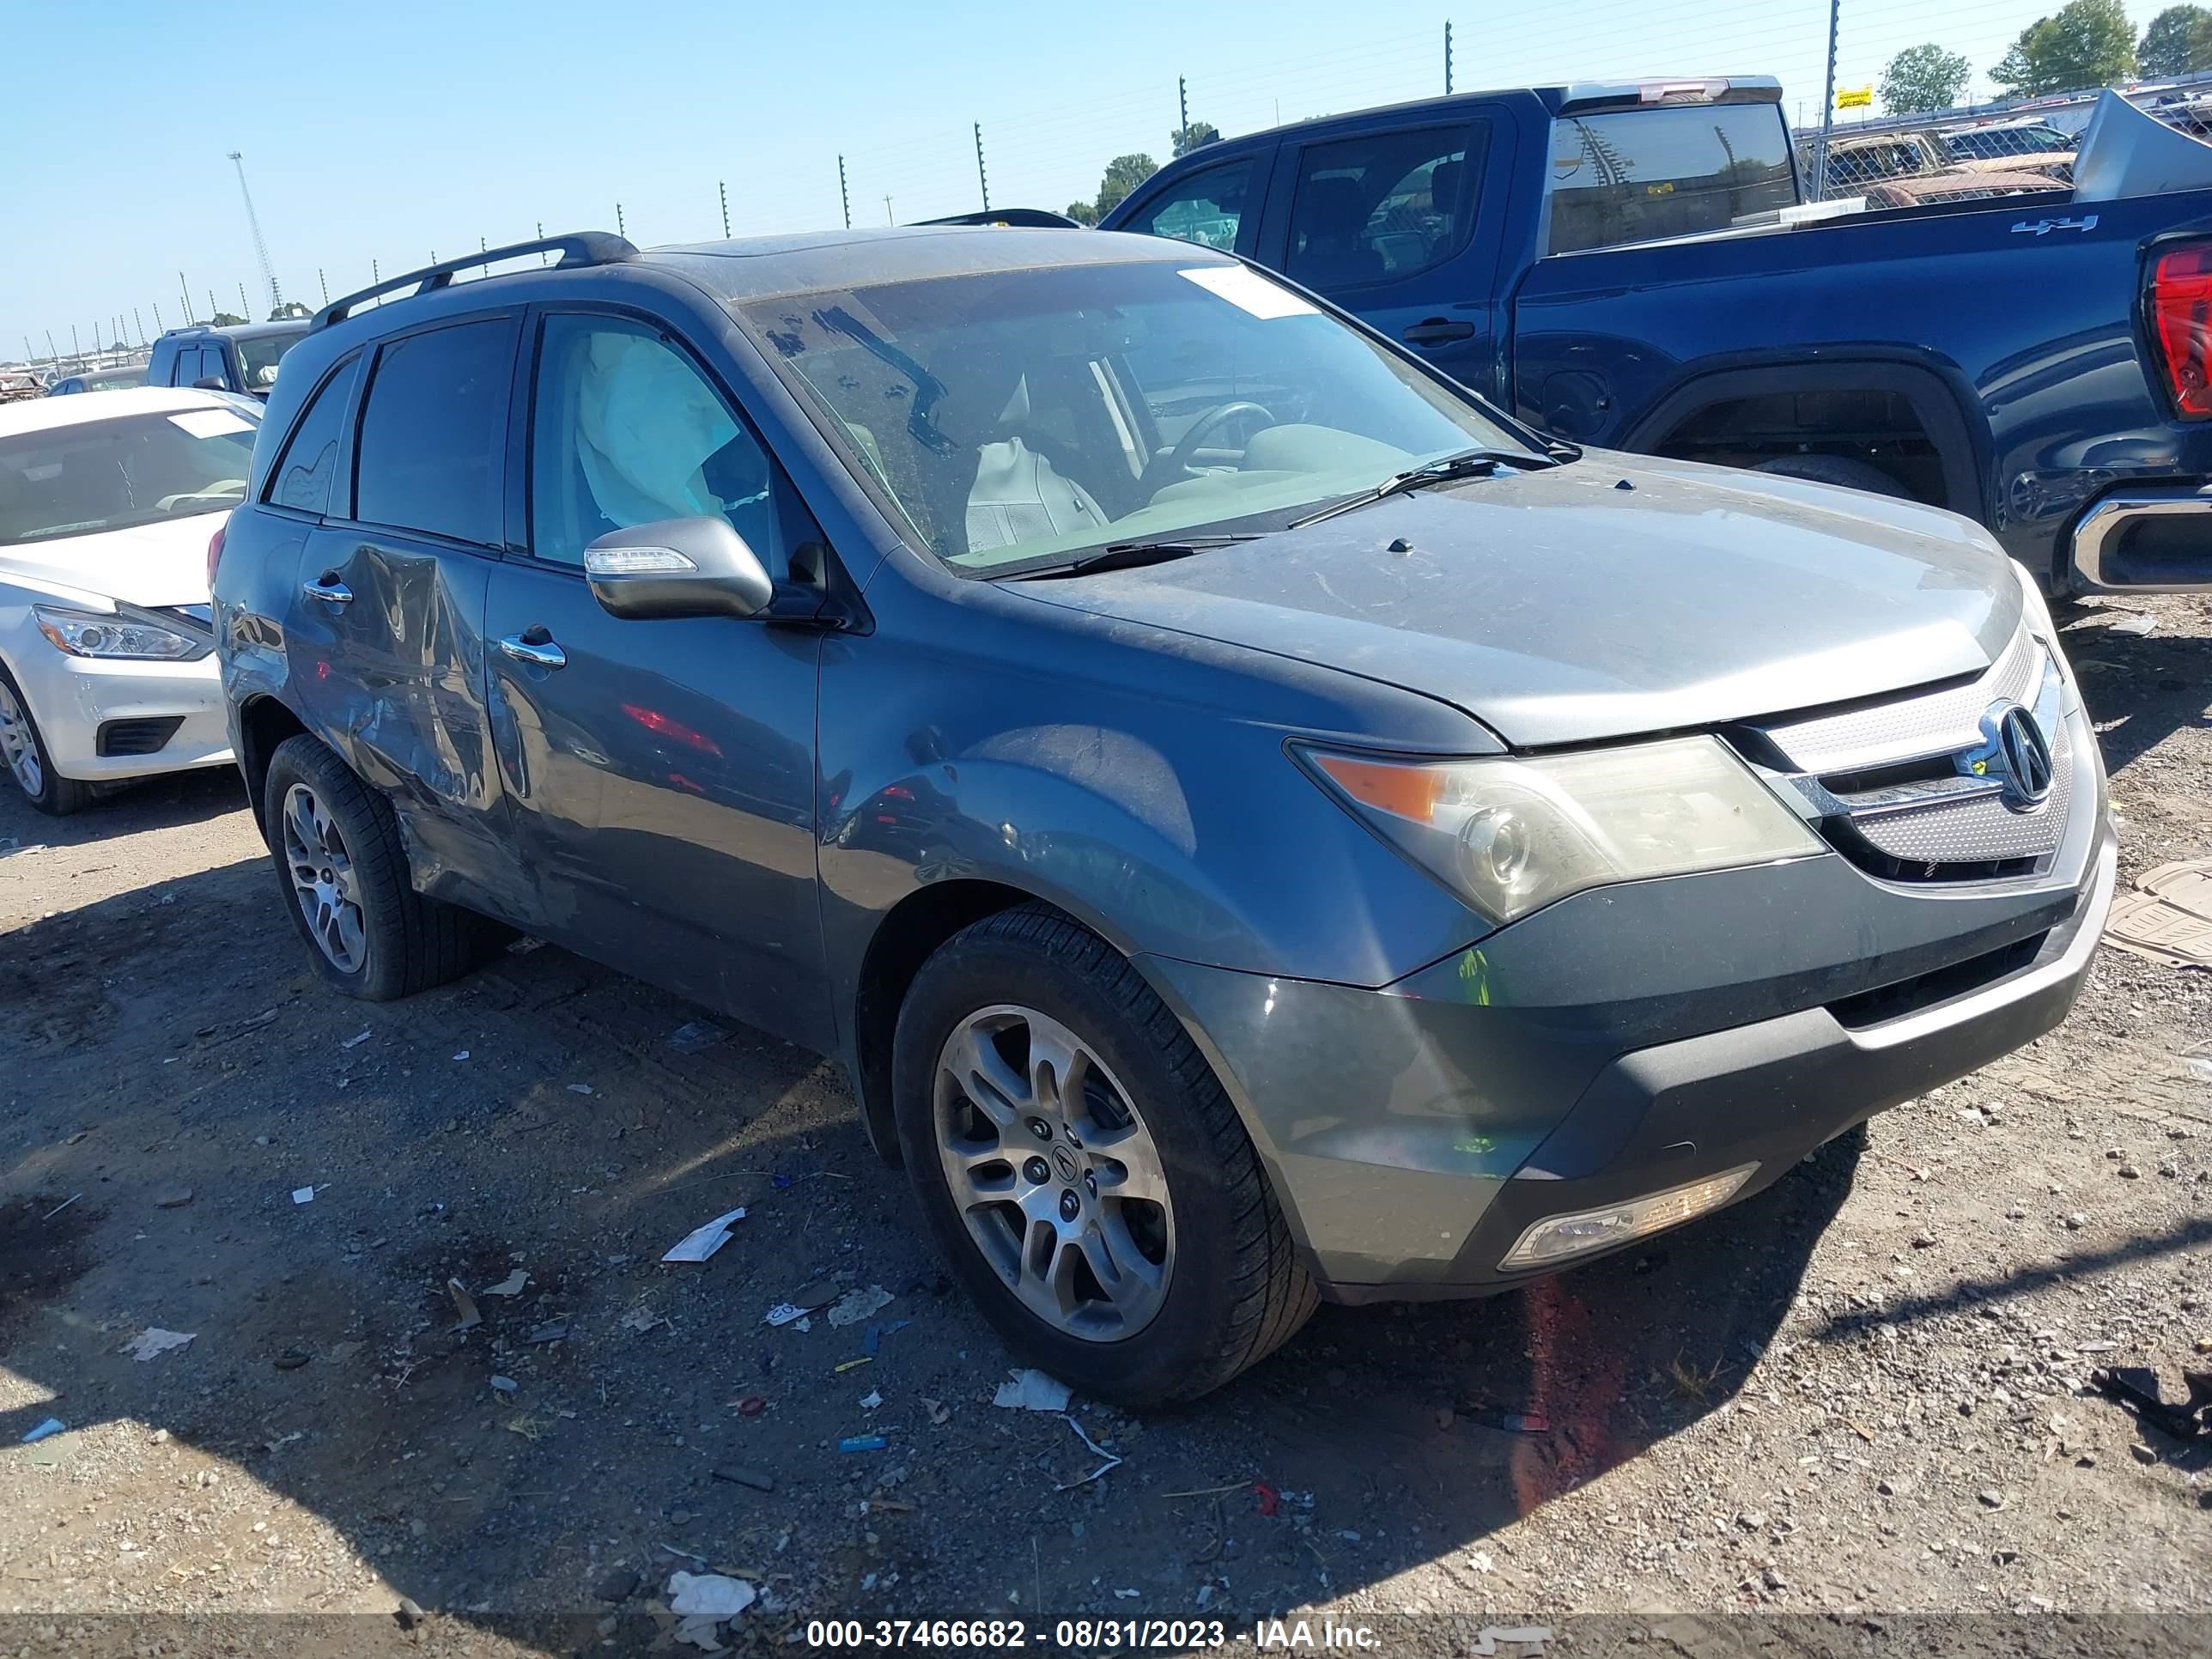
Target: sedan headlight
1511	835
87	634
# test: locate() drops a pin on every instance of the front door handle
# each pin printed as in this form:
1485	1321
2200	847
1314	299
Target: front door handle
328	588
535	647
1437	330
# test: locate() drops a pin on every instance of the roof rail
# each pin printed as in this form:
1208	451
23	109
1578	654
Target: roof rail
578	247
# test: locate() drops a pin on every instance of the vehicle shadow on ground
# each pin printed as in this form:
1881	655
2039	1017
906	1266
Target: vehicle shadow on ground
548	1115
163	803
2139	691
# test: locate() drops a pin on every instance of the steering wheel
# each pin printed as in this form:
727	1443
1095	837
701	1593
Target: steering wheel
1179	458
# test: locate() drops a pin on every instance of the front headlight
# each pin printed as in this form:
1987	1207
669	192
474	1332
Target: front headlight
1511	835
2035	609
86	634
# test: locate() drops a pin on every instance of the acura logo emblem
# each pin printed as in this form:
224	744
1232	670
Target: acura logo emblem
2027	755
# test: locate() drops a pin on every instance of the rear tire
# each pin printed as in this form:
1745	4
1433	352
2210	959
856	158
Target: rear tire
1226	1289
23	754
1838	470
344	872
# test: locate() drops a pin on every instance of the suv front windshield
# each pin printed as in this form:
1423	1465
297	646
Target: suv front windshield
1019	418
91	475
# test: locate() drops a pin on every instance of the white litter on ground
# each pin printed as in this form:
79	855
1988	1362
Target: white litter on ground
1032	1391
705	1239
153	1341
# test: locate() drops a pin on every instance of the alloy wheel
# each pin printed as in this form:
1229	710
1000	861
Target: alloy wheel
18	746
1053	1173
324	881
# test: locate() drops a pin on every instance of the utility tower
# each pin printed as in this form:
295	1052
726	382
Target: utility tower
260	247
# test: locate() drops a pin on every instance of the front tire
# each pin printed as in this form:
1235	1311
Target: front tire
343	871
24	752
1081	1166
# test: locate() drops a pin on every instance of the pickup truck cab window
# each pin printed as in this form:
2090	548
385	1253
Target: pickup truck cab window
1636	175
1209	207
1383	205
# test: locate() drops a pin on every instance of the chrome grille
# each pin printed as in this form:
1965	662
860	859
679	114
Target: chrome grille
1921	788
1936	723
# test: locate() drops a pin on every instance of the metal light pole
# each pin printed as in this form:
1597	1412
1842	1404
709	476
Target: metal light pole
844	196
981	178
160	327
141	323
186	294
1819	190
323	282
244	305
1447	56
621	229
887	212
722	189
1182	107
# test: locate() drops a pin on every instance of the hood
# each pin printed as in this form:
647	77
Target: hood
1556	606
148	564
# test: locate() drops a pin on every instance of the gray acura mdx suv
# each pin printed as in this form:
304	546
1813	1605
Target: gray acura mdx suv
1256	823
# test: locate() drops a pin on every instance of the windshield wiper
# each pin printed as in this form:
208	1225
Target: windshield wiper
1467	464
1127	556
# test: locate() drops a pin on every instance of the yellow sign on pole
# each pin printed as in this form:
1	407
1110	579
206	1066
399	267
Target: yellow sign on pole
1854	98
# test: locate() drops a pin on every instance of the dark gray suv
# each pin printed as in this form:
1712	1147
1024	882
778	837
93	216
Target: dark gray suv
1256	823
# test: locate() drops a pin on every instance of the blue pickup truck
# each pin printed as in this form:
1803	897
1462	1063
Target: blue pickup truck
1633	266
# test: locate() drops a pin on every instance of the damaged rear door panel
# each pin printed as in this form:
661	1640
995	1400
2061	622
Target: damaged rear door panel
394	592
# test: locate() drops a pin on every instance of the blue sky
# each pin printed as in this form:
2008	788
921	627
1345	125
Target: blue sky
392	131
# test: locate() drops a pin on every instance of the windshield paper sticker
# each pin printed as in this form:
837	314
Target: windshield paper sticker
209	423
1248	290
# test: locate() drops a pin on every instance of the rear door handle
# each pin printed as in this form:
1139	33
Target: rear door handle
328	588
535	647
1437	330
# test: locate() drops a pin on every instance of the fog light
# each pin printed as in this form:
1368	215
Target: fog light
1558	1238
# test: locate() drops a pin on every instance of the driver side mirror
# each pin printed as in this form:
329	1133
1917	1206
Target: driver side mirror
677	567
209	383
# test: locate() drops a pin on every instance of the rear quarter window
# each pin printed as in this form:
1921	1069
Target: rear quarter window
1637	175
302	479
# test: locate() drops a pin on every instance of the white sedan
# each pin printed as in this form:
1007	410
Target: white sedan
107	666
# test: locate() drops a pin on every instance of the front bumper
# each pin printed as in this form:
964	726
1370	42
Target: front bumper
86	705
1624	1041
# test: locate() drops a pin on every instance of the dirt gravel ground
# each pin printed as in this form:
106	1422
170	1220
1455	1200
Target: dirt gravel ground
1862	1394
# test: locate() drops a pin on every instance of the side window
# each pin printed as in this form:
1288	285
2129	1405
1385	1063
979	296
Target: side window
302	478
625	429
434	432
1206	208
1382	205
186	369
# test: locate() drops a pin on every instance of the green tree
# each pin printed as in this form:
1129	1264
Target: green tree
2088	44
226	319
1084	213
2177	41
1186	139
1923	78
1123	174
289	309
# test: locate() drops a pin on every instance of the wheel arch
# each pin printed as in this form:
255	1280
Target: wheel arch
1937	405
263	722
905	938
